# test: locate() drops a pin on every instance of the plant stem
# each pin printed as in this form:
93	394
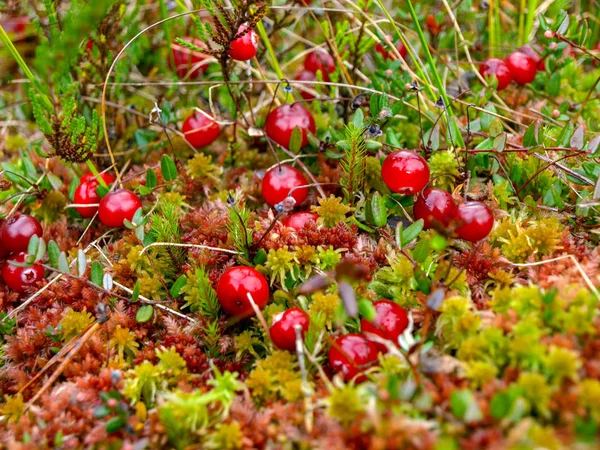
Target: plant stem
89	163
263	35
531	8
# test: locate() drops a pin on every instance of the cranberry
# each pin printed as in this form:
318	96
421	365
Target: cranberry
279	180
534	51
405	172
189	63
118	206
282	120
499	68
475	221
20	278
4	252
244	48
522	67
235	284
282	331
434	206
299	219
17	231
86	193
200	130
390	322
16	24
432	25
305	75
320	60
351	354
386	54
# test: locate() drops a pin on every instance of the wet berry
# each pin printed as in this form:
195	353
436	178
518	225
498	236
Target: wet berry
118	206
17	231
299	219
498	68
282	331
200	130
306	75
278	182
534	51
474	221
245	47
522	67
189	63
282	120
235	285
351	354
435	207
389	323
20	278
86	194
405	172
320	60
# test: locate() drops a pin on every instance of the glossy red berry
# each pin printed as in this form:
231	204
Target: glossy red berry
282	331
189	63
382	48
20	278
200	130
306	75
498	68
320	60
282	120
245	47
389	323
17	231
278	182
351	354
522	67
86	194
299	219
435	207
235	285
534	51
118	206
405	172
474	221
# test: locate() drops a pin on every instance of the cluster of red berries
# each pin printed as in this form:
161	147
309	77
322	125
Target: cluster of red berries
520	66
407	173
317	60
15	234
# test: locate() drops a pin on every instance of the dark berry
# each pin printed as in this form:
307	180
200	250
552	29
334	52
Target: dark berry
118	206
278	182
235	285
282	330
405	172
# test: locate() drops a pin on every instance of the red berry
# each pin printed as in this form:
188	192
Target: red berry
434	206
200	130
386	54
390	322
351	354
189	63
432	25
17	231
401	49
496	67
534	51
244	48
299	219
282	331
282	120
405	172
475	221
86	193
16	24
305	75
320	60
117	206
235	284
279	180
522	67
20	278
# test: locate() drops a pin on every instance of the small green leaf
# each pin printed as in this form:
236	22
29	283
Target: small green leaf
529	138
168	168
358	119
410	233
296	140
32	248
150	178
438	243
553	86
96	273
53	254
115	424
177	286
500	405
135	295
63	265
496	128
565	136
487	119
500	142
421	250
366	309
41	250
81	263
260	257
578	138
144	314
101	411
378	210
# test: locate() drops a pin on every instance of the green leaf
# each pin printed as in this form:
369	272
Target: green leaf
358	119
565	137
529	138
168	168
150	178
260	257
135	295
487	119
543	22
101	190
175	290
553	86
296	140
496	128
464	405
101	411
63	265
421	250
41	250
500	142
115	424
53	254
438	243
410	233
366	309
378	210
96	273
500	405
578	138
144	314
32	248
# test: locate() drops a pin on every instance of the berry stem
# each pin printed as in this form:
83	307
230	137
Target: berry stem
90	164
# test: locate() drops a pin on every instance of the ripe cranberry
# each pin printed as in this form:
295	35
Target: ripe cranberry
235	284
534	51
282	120
17	231
244	48
20	278
4	252
474	219
282	331
188	62
386	54
405	172
116	206
200	130
434	206
320	60
390	322
351	354
279	180
305	75
432	25
86	193
299	219
499	68
522	67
